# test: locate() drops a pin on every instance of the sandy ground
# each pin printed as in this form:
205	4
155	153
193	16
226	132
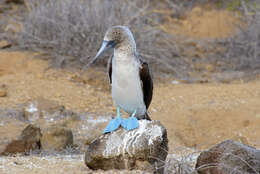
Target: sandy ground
204	23
25	79
71	164
195	115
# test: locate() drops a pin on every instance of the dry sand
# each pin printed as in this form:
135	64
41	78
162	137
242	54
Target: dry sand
195	115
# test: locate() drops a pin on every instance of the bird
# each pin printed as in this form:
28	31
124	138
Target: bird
130	78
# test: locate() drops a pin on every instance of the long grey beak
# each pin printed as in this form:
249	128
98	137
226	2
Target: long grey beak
106	45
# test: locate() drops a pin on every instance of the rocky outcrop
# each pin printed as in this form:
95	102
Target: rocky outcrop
229	157
47	113
29	140
4	44
56	138
3	92
15	1
3	89
42	108
144	148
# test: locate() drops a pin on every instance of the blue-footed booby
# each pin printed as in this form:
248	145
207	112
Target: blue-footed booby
130	78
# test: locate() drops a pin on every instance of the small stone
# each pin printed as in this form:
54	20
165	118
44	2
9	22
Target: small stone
144	148
78	79
13	27
12	114
210	67
240	139
3	85
257	115
29	140
4	44
229	157
3	93
49	105
15	1
56	138
42	108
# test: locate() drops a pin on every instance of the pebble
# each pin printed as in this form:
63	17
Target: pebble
3	93
4	44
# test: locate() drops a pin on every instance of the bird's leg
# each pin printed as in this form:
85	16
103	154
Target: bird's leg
130	123
133	114
114	123
118	112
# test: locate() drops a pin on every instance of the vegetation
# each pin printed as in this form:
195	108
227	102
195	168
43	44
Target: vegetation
72	31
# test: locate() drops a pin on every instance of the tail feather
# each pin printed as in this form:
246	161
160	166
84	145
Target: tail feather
147	117
144	117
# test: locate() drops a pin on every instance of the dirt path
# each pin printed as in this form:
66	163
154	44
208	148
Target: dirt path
195	115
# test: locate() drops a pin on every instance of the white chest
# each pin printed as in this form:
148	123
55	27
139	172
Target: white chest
126	87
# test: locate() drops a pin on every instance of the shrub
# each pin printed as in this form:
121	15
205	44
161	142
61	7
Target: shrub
71	31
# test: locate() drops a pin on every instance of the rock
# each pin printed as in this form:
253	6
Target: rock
3	89
13	27
29	140
15	1
92	134
11	126
84	126
31	133
8	115
228	76
42	107
4	44
241	139
49	106
229	157
3	92
56	138
144	148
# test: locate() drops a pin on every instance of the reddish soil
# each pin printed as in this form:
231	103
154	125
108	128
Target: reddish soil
201	23
195	115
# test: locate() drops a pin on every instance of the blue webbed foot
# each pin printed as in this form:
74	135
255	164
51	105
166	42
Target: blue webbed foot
131	123
113	125
124	123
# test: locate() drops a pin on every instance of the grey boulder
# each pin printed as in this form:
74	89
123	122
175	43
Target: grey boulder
144	148
229	157
56	138
28	141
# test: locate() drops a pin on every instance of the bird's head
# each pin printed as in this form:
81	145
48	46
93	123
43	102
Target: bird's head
117	37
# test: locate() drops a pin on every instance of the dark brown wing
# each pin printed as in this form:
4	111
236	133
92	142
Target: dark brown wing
109	68
147	83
